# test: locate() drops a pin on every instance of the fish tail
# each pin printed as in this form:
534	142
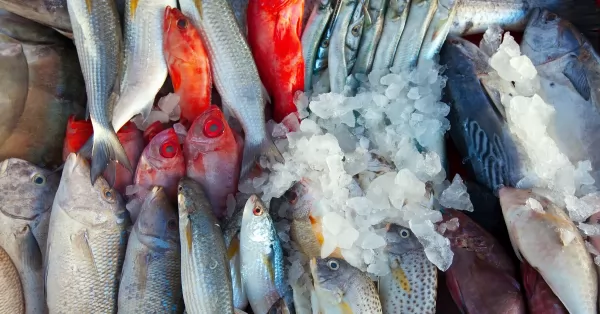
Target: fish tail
106	148
252	152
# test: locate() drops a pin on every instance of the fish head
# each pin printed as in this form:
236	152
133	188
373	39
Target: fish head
157	225
78	132
257	224
401	240
211	132
301	199
27	190
332	275
164	151
191	198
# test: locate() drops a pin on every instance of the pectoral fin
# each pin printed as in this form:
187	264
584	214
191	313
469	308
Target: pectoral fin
575	72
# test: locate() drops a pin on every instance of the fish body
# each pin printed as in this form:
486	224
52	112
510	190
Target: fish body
371	34
145	68
213	158
354	35
240	7
231	234
14	75
438	29
418	21
311	38
25	205
321	62
412	284
545	236
394	23
132	140
274	31
11	299
151	279
336	58
188	65
27	31
540	298
86	243
53	13
205	275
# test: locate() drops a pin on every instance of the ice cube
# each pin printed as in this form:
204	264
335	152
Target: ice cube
169	104
456	196
347	237
452	224
301	101
590	229
409	183
371	240
491	39
181	132
334	223
581	208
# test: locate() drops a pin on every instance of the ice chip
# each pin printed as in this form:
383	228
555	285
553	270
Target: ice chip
523	66
169	104
491	39
347	237
413	93
407	181
301	101
590	229
334	223
456	196
581	208
372	241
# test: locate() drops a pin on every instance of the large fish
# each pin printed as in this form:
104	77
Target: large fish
86	243
336	58
11	298
151	279
393	28
98	38
25	204
53	13
204	273
372	29
412	284
311	38
545	236
234	74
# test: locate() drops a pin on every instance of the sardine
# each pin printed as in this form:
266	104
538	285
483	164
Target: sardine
86	243
231	233
311	38
11	298
438	29
151	279
412	284
394	23
370	36
49	12
354	35
417	23
336	57
204	272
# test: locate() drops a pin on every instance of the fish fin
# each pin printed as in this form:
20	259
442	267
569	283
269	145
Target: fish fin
31	256
575	72
271	151
584	14
266	259
142	262
80	242
402	280
455	293
233	248
188	235
86	150
107	148
110	174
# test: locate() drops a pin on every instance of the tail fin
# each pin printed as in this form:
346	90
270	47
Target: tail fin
106	148
252	152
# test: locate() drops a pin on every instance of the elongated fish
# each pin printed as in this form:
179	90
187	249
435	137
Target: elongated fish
394	23
97	34
311	38
11	298
86	243
151	279
354	35
438	29
336	58
421	13
204	266
372	30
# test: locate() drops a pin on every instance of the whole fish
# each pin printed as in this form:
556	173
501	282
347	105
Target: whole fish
97	34
372	29
438	29
234	74
11	298
53	13
151	279
342	287
28	193
231	234
78	132
240	7
311	38
14	78
336	58
545	236
27	31
213	158
320	70
394	23
355	30
412	284
418	21
274	30
262	260
188	65
482	277
205	276
540	298
132	140
86	244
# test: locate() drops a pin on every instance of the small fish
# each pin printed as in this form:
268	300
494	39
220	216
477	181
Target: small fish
321	62
188	65
371	34
205	276
545	236
151	279
336	58
274	30
438	29
52	13
394	23
540	297
86	243
11	298
97	36
311	38
213	158
417	23
342	287
262	260
354	35
412	284
231	233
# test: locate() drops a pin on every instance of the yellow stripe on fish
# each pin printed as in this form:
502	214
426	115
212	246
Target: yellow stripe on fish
132	7
401	279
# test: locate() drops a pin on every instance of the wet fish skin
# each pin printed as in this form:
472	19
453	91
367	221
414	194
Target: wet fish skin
231	233
336	57
53	13
418	21
370	36
438	29
311	37
205	275
27	31
151	280
11	298
412	284
559	256
86	243
14	78
354	35
132	140
540	297
394	24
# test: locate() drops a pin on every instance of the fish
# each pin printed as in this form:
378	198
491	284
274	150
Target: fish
343	287
231	234
240	9
145	68
438	30
311	37
213	158
27	31
482	277
418	22
412	284
205	275
14	78
320	69
336	57
354	35
53	13
25	206
188	65
86	243
234	74
542	234
11	298
101	61
262	260
77	134
540	298
274	31
133	142
394	23
372	30
151	279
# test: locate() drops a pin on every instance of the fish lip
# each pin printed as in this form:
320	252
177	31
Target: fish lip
32	218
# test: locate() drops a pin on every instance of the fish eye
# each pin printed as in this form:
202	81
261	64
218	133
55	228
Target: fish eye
326	43
355	30
38	179
257	211
213	127
182	23
172	224
108	195
333	265
404	233
180	188
168	150
550	17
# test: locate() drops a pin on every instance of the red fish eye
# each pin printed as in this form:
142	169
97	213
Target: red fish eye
168	150
182	23
213	127
257	211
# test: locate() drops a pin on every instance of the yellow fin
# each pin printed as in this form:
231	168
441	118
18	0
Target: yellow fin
401	278
270	269
188	235
233	248
198	4
345	308
132	7
88	4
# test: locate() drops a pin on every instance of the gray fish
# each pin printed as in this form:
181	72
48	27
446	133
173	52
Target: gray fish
336	57
438	29
27	31
372	30
417	23
98	38
205	275
25	204
151	279
311	38
49	12
231	233
393	28
14	80
86	243
11	298
353	37
239	9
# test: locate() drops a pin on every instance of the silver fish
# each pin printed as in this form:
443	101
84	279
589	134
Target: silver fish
394	23
86	243
151	279
239	9
231	233
97	33
417	23
355	30
336	57
11	298
438	29
205	275
234	74
311	37
370	36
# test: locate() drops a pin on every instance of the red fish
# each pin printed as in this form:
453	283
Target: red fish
133	142
188	64
540	298
213	157
274	31
78	132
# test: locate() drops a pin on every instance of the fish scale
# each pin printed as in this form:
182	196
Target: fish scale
11	298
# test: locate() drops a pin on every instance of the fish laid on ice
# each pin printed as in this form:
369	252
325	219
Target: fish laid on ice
360	16
540	298
336	57
53	13
421	13
86	243
311	38
394	24
11	298
372	29
438	29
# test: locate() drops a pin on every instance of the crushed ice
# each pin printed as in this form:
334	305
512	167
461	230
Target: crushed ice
456	196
